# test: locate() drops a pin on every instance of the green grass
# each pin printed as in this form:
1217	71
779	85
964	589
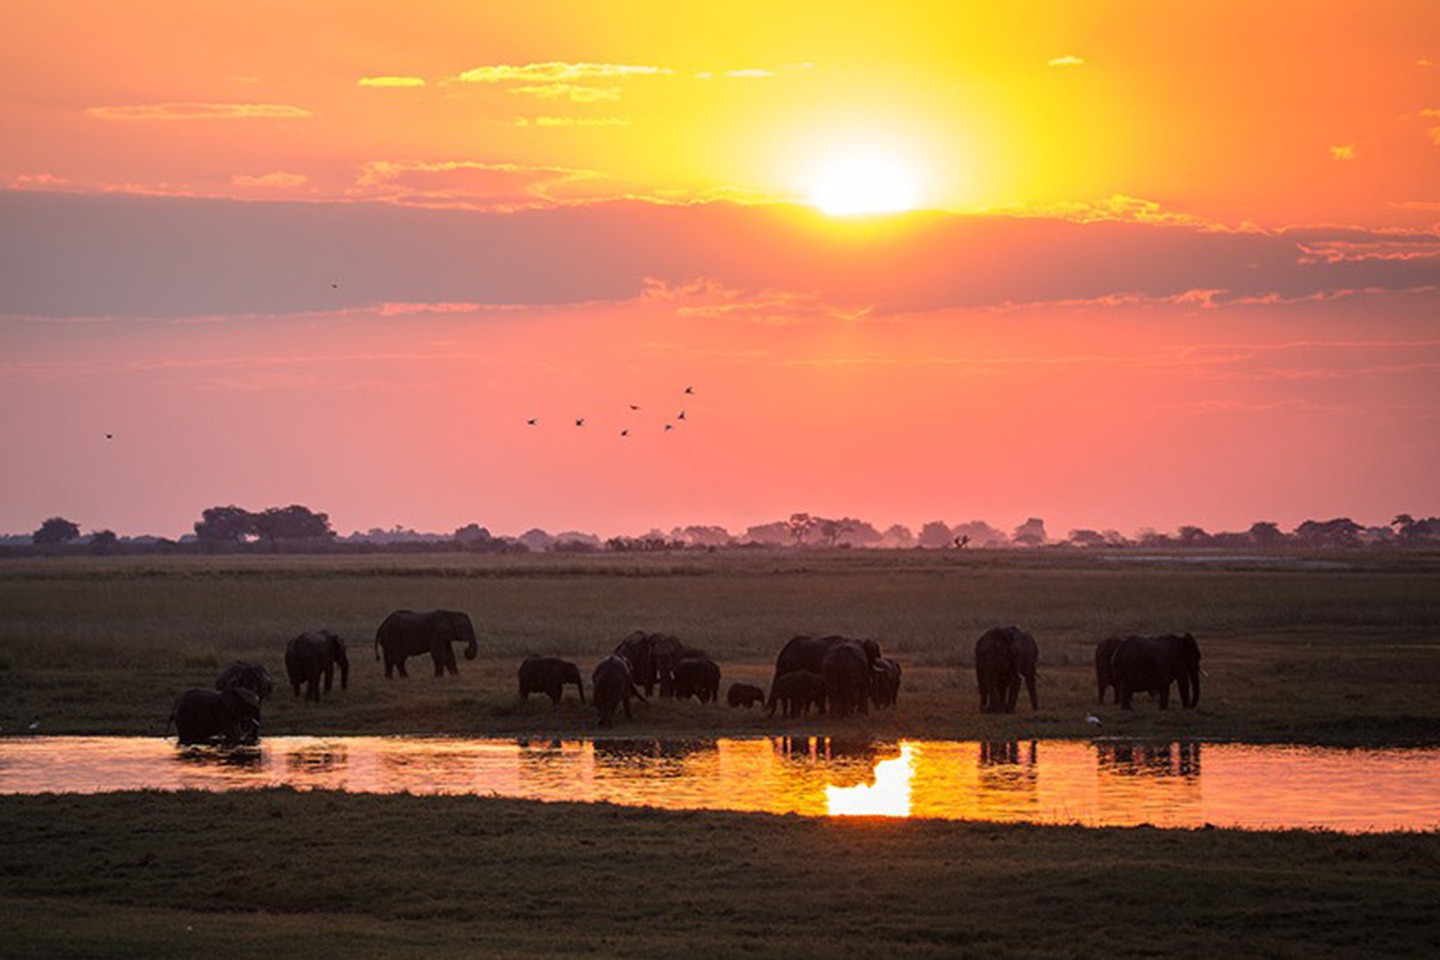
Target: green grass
303	874
1303	653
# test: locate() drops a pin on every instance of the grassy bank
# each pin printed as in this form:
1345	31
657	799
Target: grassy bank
1330	649
296	874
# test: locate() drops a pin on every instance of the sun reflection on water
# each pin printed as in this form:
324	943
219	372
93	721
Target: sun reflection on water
888	796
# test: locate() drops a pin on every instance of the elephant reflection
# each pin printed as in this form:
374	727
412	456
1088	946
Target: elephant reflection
1180	759
997	752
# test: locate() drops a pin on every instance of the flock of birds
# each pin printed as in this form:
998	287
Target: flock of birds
634	408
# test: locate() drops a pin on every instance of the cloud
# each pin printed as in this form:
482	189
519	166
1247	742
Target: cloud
278	178
466	231
37	181
391	81
1434	132
750	74
1067	61
575	93
557	72
572	122
1343	152
464	183
199	111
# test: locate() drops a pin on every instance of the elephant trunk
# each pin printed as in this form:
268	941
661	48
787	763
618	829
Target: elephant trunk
580	685
472	649
1030	689
344	674
1195	688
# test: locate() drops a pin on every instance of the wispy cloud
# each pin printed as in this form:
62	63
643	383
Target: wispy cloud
463	182
576	93
1067	61
391	81
572	122
1434	132
557	72
278	178
37	181
189	110
1343	152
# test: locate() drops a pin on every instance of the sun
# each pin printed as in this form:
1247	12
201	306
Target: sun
862	182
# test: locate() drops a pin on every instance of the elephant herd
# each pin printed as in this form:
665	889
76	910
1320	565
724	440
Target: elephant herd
833	675
1129	665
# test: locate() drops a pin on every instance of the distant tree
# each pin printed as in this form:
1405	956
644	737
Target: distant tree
775	534
981	534
801	525
1409	530
292	523
702	536
471	533
1191	536
831	530
103	542
1031	533
55	530
897	537
935	535
1114	538
1087	538
858	533
1339	532
225	524
1266	534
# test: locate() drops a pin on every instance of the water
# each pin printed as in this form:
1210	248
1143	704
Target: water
1100	783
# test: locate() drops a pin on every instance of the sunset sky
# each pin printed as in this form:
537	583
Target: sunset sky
1112	264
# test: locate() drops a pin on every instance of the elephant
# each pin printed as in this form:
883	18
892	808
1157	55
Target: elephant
231	716
408	634
311	657
1002	656
1104	653
807	653
696	676
1152	663
744	695
885	683
796	691
611	685
847	669
251	676
548	675
652	658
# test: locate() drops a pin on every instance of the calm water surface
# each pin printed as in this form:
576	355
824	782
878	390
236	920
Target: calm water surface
1058	781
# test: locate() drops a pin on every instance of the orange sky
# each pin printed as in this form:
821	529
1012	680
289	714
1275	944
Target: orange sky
1170	263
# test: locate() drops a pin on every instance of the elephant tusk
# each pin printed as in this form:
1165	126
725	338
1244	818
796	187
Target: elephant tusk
1205	673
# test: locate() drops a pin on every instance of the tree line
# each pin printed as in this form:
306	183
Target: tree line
298	529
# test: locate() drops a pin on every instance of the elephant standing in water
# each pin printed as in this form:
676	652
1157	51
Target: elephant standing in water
548	675
611	685
408	634
1151	664
1002	656
231	716
311	657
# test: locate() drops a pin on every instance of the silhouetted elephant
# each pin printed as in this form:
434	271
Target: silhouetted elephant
1152	663
847	671
796	691
744	695
885	683
807	653
408	634
313	657
1002	656
652	658
698	677
231	716
251	676
548	675
611	686
1104	652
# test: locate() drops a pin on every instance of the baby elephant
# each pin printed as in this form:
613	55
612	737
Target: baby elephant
311	659
548	675
745	695
231	716
796	691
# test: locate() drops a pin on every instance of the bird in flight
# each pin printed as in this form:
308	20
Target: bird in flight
669	426
624	433
634	406
689	389
579	421
532	421
682	415
109	436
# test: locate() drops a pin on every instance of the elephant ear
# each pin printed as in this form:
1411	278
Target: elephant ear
247	696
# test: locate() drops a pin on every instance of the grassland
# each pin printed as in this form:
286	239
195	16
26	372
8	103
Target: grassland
1335	649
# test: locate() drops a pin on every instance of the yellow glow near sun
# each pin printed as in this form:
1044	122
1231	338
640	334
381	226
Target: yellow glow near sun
889	796
864	181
